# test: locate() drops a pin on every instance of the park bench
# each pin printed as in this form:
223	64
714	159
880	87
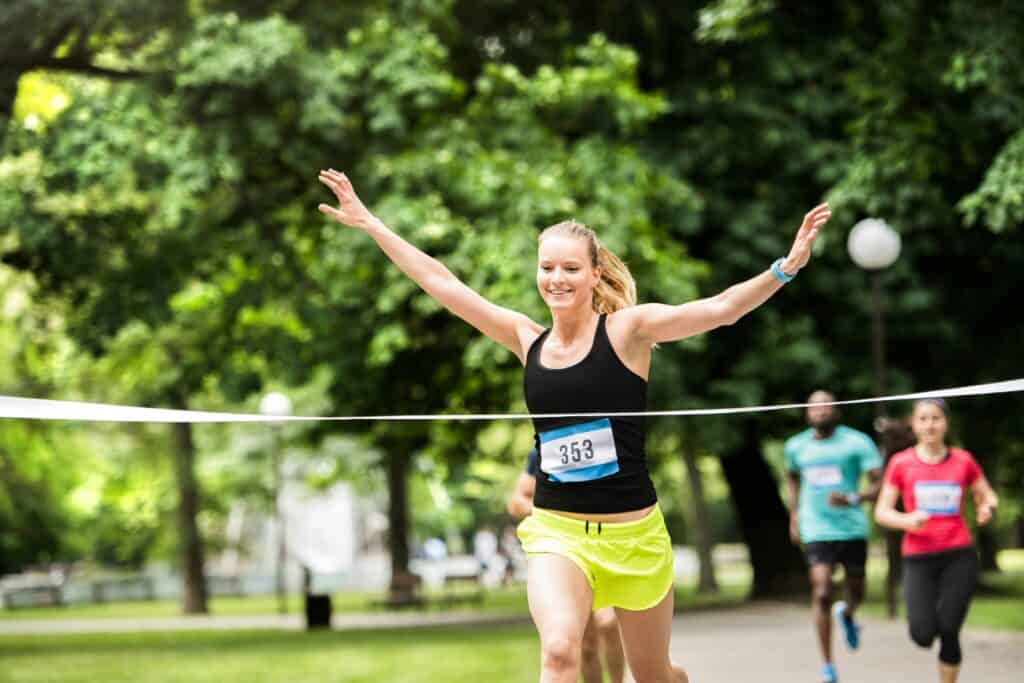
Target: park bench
32	596
461	585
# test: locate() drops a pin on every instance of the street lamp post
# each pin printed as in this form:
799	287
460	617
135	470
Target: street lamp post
276	404
874	246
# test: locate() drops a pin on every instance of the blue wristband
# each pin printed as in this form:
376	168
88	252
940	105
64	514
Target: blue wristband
779	275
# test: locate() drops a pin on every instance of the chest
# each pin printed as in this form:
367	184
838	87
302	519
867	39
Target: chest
936	485
555	356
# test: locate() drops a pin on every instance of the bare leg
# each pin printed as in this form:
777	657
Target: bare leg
645	635
854	594
611	644
948	673
591	654
821	606
560	598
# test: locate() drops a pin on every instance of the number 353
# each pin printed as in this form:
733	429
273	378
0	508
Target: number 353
576	451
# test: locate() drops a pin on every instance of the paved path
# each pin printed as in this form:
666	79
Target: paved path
775	644
764	643
290	622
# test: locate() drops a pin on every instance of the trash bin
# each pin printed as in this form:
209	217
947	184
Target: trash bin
318	611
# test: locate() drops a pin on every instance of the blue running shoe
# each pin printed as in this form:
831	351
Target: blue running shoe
850	627
828	674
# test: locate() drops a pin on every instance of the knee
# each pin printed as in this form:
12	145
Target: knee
560	653
607	625
923	634
821	595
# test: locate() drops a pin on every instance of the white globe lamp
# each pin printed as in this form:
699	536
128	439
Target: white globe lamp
873	244
276	404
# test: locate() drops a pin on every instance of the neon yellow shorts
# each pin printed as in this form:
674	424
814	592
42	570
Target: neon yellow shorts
628	564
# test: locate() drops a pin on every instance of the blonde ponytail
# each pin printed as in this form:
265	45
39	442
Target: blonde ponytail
616	290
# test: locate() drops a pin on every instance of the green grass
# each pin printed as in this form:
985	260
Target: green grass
735	582
999	604
497	654
506	654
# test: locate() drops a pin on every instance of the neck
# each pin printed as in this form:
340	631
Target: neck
931	450
568	326
825	432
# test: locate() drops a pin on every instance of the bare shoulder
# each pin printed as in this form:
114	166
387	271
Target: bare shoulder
527	332
625	327
624	334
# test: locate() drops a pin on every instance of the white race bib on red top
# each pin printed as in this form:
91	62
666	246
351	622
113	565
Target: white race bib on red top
938	497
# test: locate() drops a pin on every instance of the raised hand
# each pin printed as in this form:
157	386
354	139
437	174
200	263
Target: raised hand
800	252
350	209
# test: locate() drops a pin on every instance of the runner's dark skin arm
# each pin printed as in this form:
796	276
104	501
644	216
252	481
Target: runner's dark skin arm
838	499
793	487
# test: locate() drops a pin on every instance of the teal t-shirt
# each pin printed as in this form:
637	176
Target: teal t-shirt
826	465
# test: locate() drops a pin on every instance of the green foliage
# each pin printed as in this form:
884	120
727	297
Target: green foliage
999	201
173	217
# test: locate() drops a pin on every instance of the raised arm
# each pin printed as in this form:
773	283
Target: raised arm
985	500
662	323
512	330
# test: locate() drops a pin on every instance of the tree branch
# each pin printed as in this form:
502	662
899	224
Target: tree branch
78	65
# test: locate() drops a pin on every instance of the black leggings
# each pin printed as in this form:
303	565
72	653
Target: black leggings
938	589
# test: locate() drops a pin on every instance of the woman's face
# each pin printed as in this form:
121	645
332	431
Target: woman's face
929	423
565	276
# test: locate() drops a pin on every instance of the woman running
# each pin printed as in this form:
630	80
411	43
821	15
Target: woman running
596	537
940	565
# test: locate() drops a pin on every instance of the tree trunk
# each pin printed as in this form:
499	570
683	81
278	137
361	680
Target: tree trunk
190	541
979	435
402	587
701	521
894	436
779	567
8	94
988	549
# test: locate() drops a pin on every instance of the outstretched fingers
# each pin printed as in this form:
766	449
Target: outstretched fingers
332	212
817	217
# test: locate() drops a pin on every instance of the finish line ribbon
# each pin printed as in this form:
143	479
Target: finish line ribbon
44	409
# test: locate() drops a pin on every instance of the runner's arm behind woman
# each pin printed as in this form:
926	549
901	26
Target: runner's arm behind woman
509	328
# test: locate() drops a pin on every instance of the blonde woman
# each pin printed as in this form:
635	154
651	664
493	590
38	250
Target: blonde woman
596	537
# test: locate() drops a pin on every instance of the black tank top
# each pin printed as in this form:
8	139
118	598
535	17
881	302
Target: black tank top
600	383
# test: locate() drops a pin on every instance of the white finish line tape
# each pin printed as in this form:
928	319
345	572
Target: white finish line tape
42	409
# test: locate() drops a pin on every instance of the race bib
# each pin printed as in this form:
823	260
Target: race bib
579	453
823	476
938	497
